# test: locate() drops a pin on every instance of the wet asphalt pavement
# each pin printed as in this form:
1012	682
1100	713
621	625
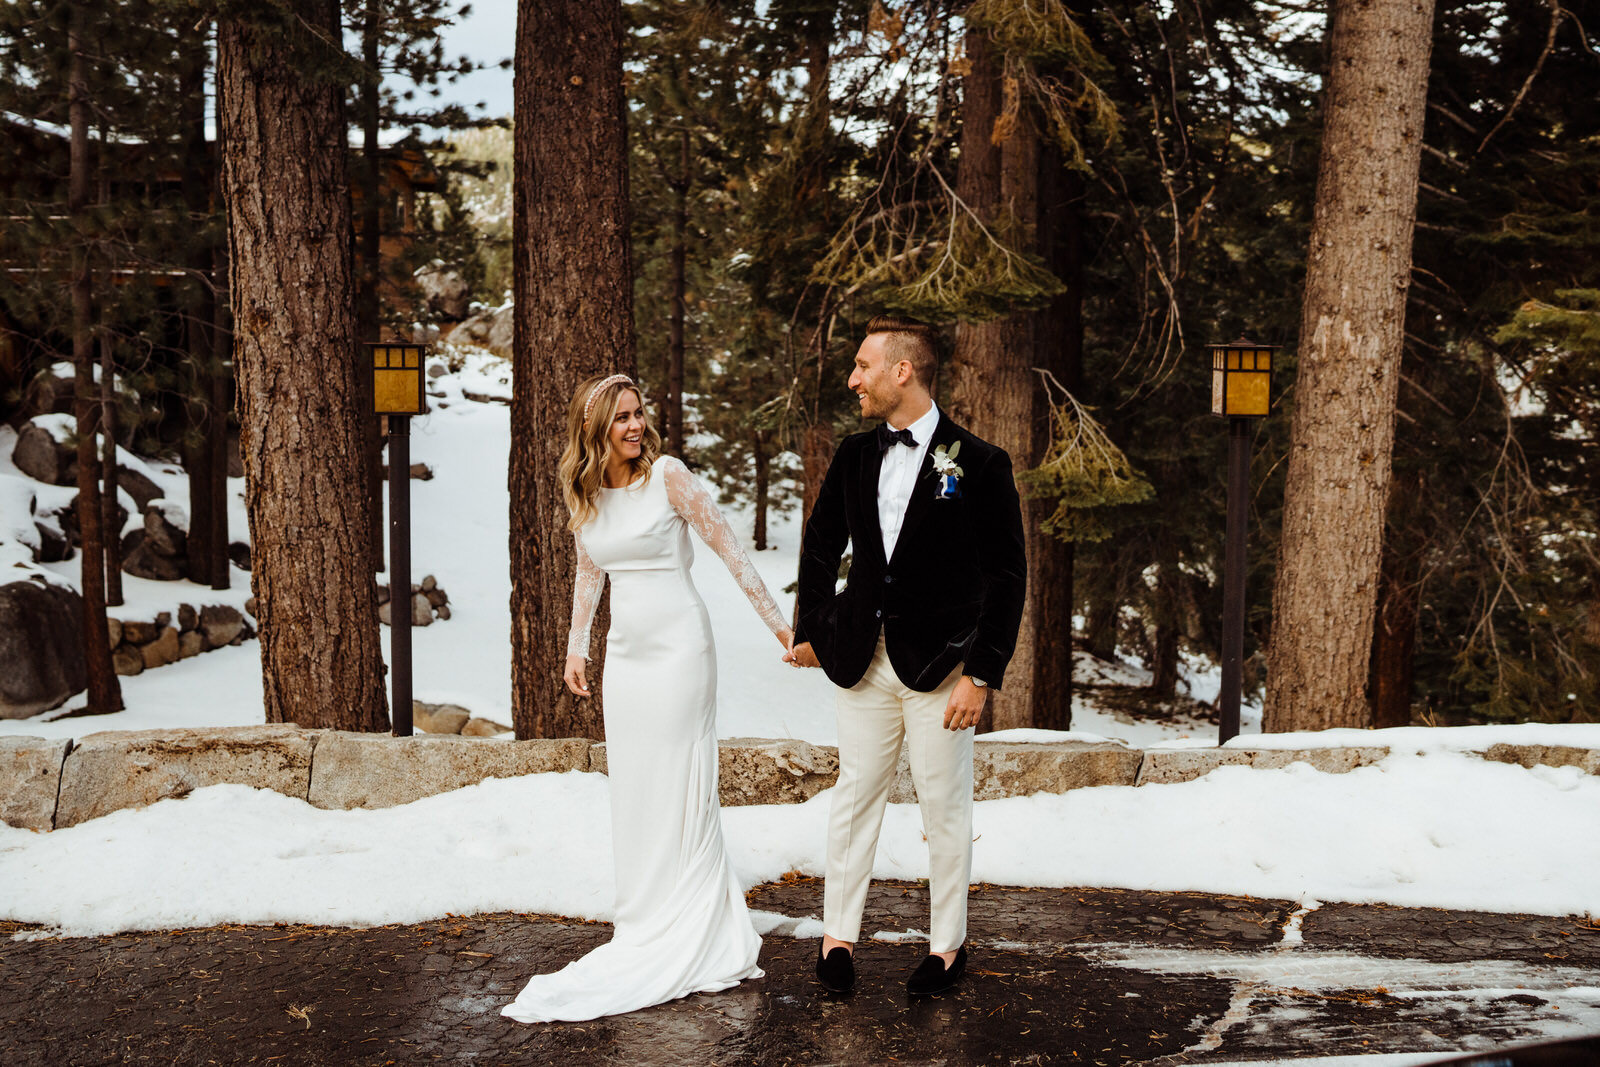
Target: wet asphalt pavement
1075	976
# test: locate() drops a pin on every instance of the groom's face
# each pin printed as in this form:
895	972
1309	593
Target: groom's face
875	380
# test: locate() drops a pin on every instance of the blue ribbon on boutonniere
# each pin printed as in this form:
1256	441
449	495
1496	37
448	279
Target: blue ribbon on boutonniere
948	474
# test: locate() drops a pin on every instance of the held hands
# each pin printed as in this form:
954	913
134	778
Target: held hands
574	675
966	705
801	655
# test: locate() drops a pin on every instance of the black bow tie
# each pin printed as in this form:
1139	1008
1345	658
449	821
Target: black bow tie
888	438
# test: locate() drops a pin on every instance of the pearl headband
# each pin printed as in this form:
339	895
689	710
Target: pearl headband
588	405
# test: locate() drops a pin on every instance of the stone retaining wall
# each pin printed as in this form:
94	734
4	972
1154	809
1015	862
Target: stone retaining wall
50	784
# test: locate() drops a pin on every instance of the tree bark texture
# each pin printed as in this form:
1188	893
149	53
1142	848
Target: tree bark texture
111	539
293	285
759	454
1351	336
572	277
672	405
369	303
993	389
104	691
1394	631
207	544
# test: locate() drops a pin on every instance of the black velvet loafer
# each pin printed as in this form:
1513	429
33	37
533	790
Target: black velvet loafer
932	976
837	970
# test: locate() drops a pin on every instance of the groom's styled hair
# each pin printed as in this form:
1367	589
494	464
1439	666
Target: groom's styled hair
910	340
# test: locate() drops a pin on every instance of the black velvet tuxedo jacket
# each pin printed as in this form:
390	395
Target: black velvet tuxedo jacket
952	591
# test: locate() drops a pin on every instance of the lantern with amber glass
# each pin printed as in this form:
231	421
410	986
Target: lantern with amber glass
1241	379
397	378
398	374
1241	391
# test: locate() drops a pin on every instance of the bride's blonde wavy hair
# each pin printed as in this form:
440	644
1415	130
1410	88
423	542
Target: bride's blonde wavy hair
583	464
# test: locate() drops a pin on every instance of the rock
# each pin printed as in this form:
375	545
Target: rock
1007	769
421	611
54	547
1166	765
114	631
484	728
50	392
491	328
67	516
448	295
442	611
30	778
250	607
1546	756
436	598
41	647
119	769
191	644
127	660
438	718
163	650
163	618
437	370
384	614
188	618
141	488
429	584
378	771
760	771
41	457
421	472
140	633
162	536
383	595
239	553
220	624
148	563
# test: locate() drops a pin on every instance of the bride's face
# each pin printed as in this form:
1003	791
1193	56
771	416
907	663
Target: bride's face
627	426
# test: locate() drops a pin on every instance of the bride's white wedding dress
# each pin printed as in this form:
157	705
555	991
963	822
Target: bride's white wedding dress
681	925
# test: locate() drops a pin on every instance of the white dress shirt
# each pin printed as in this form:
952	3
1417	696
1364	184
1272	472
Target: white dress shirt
898	476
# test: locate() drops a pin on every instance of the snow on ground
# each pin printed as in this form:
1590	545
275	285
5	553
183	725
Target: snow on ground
1443	830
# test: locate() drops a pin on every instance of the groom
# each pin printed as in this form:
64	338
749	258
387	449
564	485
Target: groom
922	631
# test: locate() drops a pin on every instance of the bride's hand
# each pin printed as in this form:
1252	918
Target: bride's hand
786	638
574	675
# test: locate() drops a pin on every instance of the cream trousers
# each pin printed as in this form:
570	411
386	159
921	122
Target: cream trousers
874	717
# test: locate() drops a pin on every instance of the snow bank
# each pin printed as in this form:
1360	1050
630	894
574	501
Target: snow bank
1446	830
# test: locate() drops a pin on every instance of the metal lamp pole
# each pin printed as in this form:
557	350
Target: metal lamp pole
1233	578
1241	392
400	574
397	394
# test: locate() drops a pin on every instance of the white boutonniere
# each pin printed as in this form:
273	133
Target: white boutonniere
944	465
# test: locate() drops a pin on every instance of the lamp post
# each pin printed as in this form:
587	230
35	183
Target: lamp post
1241	391
397	394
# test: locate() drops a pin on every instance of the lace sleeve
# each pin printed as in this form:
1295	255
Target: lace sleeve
692	500
586	589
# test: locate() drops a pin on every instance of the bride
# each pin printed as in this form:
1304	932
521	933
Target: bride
681	926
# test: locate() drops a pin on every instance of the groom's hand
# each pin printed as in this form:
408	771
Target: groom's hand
801	655
965	706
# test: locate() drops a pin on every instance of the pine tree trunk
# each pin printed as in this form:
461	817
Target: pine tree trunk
572	278
1058	349
993	388
1351	336
220	408
1394	631
1100	628
112	531
369	301
763	464
293	283
1164	662
672	422
200	315
104	691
